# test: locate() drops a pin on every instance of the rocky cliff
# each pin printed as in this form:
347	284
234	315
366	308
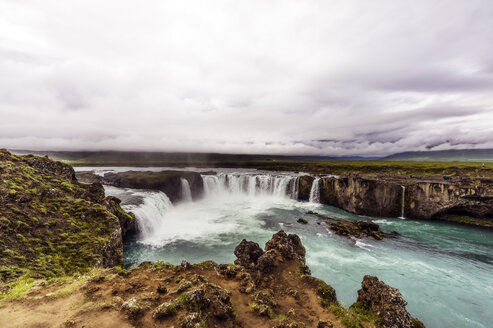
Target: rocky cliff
423	199
51	225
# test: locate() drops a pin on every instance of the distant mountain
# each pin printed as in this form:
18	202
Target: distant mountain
462	155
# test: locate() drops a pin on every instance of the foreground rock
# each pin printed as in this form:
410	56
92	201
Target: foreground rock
387	303
52	225
168	182
271	288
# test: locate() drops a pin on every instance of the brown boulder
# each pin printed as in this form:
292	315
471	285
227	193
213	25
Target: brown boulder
289	246
248	253
384	301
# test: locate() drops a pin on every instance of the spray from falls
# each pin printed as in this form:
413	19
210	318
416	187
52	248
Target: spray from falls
315	191
402	201
186	193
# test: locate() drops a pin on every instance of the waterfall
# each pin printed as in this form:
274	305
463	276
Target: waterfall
402	201
186	193
294	188
151	212
251	184
211	184
315	191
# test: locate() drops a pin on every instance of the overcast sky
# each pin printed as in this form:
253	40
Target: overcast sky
280	77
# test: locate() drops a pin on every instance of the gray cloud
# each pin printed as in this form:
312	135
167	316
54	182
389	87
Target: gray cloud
283	77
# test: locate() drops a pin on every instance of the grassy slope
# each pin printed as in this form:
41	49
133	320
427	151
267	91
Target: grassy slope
50	224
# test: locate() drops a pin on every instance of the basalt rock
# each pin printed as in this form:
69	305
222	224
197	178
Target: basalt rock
168	182
281	248
385	302
289	246
353	228
248	253
423	199
304	187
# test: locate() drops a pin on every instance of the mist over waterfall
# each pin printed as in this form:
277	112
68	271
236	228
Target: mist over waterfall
251	184
186	193
315	191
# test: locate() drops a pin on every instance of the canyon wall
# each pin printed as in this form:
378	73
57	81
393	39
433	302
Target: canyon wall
422	199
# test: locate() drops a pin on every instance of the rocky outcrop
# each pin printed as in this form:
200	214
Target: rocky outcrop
422	199
51	225
289	246
248	253
361	196
385	302
353	228
427	199
305	185
168	182
282	247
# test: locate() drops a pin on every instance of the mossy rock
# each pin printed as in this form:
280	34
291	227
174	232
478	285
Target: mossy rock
53	225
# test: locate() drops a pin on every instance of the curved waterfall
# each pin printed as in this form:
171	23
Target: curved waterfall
252	184
315	191
150	212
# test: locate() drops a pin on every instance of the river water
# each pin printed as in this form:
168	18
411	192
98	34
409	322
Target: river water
444	271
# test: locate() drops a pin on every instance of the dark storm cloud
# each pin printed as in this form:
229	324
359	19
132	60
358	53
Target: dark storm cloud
311	77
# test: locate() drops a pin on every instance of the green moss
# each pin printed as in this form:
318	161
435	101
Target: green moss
415	323
70	288
281	317
304	269
44	234
327	294
22	226
463	219
261	309
21	238
17	289
355	316
4	222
